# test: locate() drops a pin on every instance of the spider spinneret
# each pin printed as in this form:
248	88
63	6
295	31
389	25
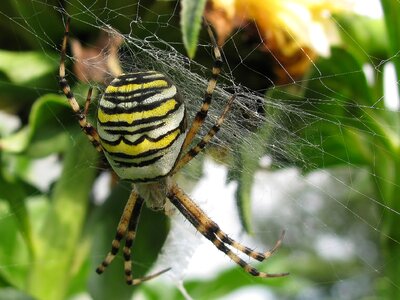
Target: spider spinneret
142	131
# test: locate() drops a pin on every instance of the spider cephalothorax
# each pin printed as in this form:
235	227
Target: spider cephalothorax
141	129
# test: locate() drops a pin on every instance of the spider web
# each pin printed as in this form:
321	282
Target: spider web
332	216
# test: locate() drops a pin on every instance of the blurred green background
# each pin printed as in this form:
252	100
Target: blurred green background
52	236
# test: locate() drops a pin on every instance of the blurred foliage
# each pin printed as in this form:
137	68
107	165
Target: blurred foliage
52	239
192	11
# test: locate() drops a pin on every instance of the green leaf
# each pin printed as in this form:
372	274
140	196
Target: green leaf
14	253
344	113
246	164
46	132
13	294
364	37
14	193
344	81
233	279
192	11
15	66
24	75
33	24
391	11
59	238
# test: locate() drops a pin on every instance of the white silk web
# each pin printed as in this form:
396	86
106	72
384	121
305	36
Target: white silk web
333	216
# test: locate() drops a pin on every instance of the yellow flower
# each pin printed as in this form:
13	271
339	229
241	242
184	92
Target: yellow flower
291	24
285	27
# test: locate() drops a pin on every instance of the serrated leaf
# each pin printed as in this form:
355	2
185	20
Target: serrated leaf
191	13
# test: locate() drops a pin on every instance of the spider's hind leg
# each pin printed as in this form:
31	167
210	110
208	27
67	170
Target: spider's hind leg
127	229
129	239
133	203
210	230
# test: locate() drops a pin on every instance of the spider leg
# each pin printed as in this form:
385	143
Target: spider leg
129	239
87	128
206	139
260	256
210	230
121	230
223	236
127	228
202	113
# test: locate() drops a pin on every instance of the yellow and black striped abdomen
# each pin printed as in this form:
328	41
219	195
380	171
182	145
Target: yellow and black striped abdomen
141	122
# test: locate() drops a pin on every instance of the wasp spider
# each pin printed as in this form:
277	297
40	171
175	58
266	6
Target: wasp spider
142	131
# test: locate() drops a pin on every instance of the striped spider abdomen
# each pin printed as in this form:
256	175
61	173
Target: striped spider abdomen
141	122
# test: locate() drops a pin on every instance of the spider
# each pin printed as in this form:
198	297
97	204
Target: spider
142	131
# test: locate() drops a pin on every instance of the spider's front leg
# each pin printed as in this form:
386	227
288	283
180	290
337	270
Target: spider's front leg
87	128
192	153
212	82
